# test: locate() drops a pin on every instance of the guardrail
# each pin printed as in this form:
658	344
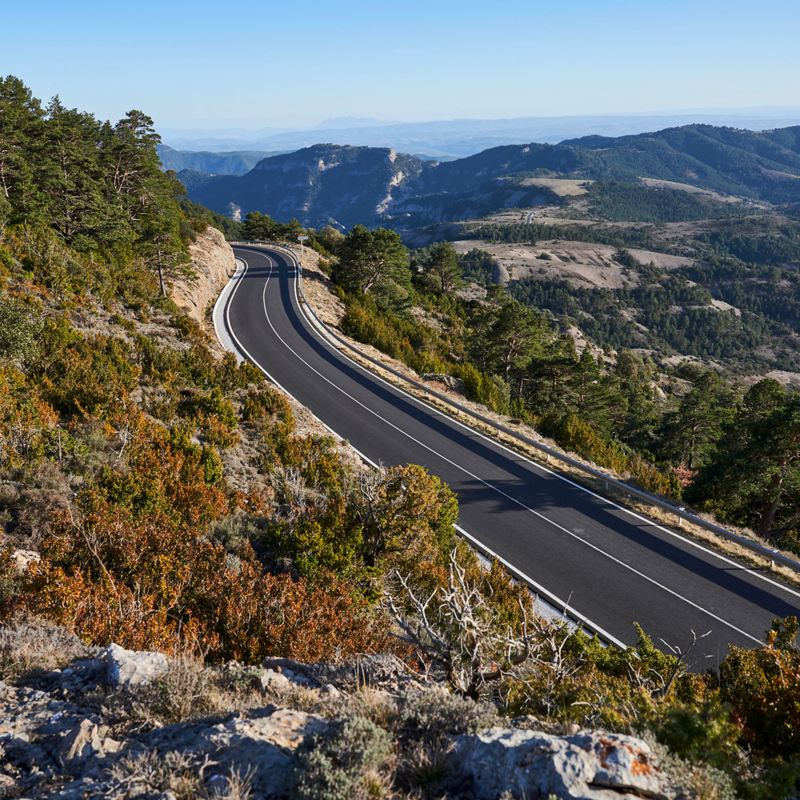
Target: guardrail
681	513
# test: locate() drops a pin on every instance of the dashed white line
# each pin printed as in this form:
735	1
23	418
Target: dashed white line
552	473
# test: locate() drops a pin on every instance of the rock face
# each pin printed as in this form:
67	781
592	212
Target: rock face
85	741
260	742
128	668
318	185
213	264
49	741
72	734
589	766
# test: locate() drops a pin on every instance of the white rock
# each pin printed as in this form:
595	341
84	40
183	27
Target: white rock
129	668
272	681
588	766
24	558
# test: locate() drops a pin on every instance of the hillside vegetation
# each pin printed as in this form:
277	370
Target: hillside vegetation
157	496
233	162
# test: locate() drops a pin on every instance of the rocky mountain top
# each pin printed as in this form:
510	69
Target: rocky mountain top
82	722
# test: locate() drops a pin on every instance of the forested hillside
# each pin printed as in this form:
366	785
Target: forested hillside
156	494
234	162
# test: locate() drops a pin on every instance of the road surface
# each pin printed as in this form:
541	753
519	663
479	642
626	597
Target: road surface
606	564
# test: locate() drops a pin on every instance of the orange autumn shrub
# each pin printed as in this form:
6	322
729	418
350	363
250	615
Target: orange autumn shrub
165	472
25	420
152	582
257	614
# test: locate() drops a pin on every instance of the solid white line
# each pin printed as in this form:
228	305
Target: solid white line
496	489
553	473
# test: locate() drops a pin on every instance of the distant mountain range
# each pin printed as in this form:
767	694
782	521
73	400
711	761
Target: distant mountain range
235	162
345	185
448	139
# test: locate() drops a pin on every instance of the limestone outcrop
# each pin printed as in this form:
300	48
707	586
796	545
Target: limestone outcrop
213	263
122	723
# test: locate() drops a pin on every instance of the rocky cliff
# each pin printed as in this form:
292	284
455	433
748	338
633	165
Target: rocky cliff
318	185
213	264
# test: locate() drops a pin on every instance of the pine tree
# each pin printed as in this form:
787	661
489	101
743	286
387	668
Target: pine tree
690	432
21	128
370	261
71	174
754	475
440	270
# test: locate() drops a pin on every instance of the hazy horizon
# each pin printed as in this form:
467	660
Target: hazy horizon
447	139
747	114
331	123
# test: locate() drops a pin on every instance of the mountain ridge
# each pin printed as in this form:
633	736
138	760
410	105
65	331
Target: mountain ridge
456	138
348	184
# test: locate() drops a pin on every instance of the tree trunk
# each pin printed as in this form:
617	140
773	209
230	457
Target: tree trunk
768	517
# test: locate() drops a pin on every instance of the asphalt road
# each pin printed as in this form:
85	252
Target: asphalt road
609	565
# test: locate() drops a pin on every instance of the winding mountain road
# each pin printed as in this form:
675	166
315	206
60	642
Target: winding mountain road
606	565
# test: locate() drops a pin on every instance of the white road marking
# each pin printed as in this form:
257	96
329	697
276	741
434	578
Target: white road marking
491	486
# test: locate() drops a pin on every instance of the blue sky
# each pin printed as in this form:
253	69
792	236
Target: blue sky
220	65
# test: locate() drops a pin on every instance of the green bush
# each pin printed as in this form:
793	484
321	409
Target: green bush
344	762
578	436
20	330
482	388
81	374
7	262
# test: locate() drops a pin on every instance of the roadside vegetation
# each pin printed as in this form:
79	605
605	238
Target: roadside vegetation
695	435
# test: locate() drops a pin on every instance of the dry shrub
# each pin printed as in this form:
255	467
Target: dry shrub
425	764
435	713
186	691
373	704
152	582
27	643
38	504
175	774
149	772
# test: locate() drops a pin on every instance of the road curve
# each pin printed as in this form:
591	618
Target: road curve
611	567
